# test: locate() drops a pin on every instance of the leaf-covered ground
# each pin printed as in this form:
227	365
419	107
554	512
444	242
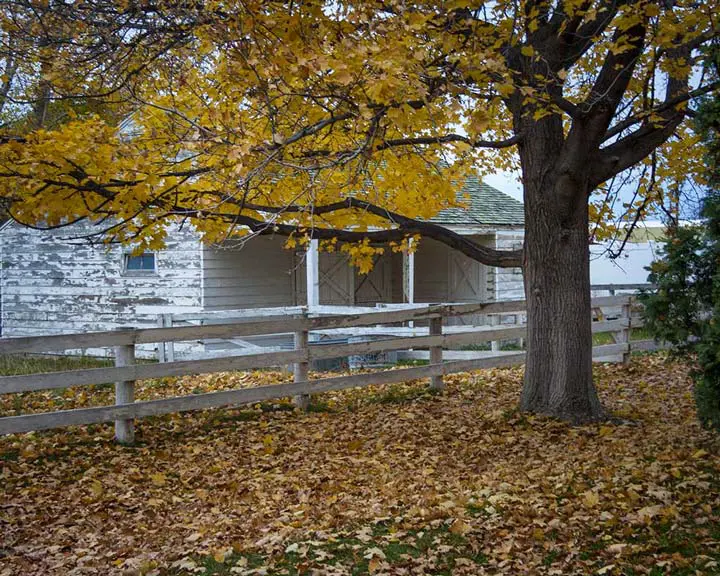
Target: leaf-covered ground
391	480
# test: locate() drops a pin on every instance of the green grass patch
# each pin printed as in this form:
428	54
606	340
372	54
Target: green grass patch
383	546
401	394
603	338
317	404
411	362
18	364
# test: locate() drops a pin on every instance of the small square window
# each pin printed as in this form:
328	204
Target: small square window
143	263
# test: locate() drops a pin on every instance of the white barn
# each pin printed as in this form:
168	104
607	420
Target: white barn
51	283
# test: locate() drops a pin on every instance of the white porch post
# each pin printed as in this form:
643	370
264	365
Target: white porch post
312	263
409	277
409	274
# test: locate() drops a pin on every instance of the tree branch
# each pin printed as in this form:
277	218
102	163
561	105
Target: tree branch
666	105
613	79
496	144
404	226
577	38
407	227
633	148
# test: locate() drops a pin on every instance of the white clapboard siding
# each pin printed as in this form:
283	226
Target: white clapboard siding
509	281
54	282
256	274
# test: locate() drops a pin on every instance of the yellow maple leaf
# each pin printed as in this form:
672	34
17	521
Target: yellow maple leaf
221	555
700	454
158	479
591	499
96	488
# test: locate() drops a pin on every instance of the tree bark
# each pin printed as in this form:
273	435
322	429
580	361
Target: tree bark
558	371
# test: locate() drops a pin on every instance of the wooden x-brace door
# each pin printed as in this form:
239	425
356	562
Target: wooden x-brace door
375	286
466	281
336	279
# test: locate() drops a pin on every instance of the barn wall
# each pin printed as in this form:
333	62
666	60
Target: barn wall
629	268
509	281
341	284
396	276
262	273
259	273
431	271
438	274
53	284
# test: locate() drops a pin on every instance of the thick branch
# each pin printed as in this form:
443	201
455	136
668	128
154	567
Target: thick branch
576	38
633	148
407	227
404	226
636	146
450	138
304	132
612	81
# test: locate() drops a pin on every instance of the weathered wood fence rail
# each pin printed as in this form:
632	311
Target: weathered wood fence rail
126	372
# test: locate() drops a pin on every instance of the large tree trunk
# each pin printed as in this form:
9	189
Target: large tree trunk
558	372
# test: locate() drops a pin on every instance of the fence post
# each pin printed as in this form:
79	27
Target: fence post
161	353
495	344
124	392
624	334
436	382
169	346
301	369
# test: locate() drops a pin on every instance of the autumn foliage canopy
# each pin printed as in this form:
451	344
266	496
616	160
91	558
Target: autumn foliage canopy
337	117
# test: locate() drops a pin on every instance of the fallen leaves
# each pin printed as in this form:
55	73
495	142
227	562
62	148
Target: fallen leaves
387	479
158	479
590	499
460	527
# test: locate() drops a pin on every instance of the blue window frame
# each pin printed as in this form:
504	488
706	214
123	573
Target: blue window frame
143	263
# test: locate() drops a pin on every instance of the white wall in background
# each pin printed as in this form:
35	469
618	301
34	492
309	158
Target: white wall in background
628	268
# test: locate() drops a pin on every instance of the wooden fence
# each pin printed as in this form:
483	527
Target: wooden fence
612	289
168	352
126	372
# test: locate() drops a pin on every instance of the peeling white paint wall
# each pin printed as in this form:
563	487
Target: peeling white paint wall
53	284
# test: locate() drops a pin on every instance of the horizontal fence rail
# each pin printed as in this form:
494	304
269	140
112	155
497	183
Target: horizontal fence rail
624	287
295	320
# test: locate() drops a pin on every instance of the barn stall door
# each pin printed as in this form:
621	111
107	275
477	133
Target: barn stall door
466	283
336	279
376	285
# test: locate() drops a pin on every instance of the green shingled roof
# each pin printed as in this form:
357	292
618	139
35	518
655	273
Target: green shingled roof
485	206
